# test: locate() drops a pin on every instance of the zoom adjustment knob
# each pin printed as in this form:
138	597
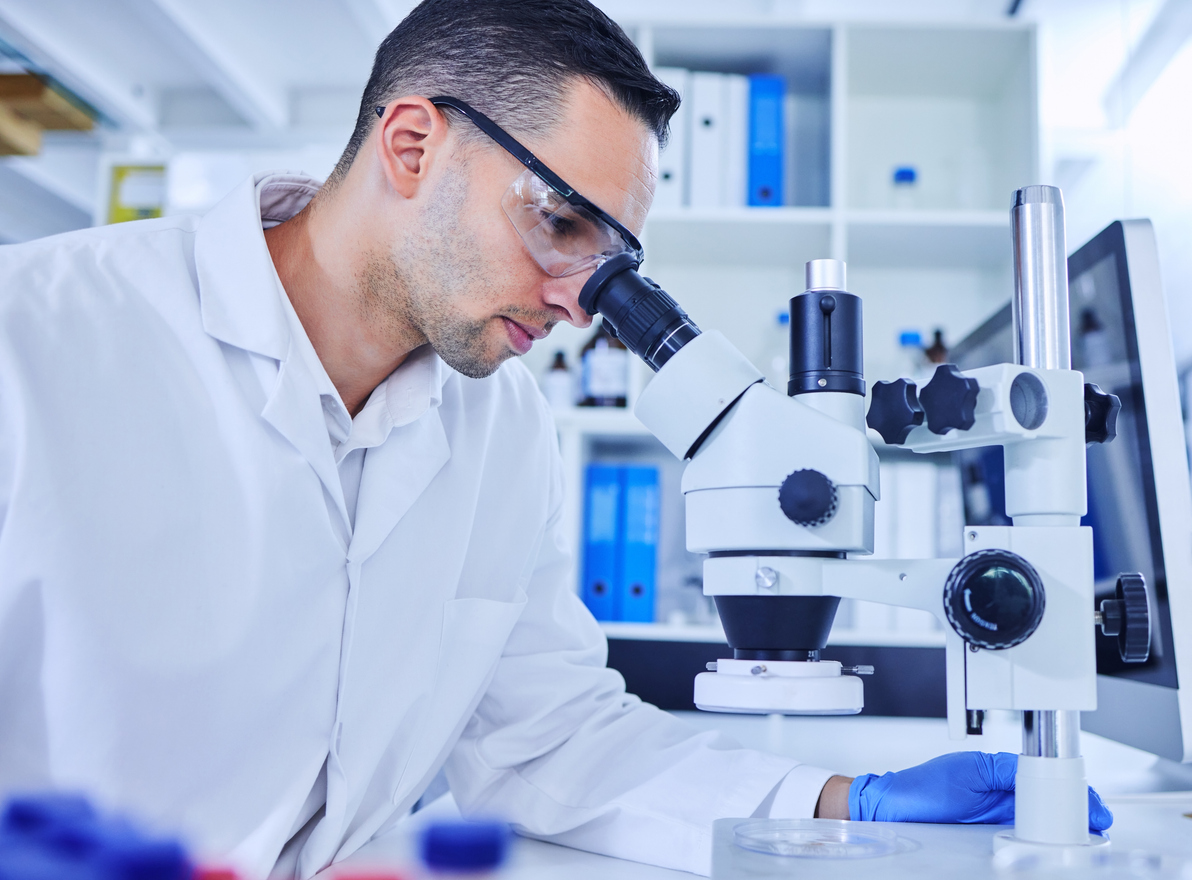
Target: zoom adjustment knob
994	599
950	400
894	410
808	498
1128	616
1100	414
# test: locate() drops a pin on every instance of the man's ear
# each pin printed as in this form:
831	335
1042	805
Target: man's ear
410	136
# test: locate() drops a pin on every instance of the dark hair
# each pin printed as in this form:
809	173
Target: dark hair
512	60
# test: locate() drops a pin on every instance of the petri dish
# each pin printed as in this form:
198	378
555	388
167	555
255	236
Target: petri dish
815	838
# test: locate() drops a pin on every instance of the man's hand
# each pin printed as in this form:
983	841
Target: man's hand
966	787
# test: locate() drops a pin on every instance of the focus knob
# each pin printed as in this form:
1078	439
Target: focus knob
1129	618
994	599
808	498
950	400
894	410
1100	414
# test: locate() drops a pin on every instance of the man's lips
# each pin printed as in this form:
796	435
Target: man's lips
522	335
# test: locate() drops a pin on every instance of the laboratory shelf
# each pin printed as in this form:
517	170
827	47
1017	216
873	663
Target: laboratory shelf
785	237
940	239
956	102
599	421
782	215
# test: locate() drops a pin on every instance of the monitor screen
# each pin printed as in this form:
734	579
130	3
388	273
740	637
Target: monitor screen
1122	503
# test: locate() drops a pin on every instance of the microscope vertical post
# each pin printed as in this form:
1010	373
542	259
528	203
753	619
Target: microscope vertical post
1042	339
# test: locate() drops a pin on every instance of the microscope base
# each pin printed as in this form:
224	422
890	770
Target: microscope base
779	687
1009	852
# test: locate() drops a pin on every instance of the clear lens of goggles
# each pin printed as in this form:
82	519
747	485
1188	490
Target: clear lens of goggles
562	238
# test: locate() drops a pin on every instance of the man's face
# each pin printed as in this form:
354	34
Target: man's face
471	286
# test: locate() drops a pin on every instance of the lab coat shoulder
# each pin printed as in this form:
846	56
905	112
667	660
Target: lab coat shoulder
97	263
91	298
74	306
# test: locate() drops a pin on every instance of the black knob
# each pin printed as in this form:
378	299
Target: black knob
808	498
894	410
1129	618
1100	414
950	400
994	599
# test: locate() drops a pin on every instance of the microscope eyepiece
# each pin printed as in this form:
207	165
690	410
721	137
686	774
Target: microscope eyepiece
638	311
826	350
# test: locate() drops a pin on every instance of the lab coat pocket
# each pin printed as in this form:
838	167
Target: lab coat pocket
474	634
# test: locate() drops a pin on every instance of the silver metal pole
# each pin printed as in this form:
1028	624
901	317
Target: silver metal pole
1042	337
1051	734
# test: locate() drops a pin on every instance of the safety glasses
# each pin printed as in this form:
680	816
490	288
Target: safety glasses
564	232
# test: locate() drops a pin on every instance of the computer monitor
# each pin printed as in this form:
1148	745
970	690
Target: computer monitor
1140	505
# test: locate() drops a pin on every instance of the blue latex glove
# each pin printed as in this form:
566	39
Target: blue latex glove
966	787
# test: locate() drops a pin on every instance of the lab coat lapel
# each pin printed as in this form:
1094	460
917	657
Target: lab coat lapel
395	474
293	410
240	300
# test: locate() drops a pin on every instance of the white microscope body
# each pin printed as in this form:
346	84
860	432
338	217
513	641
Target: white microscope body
780	494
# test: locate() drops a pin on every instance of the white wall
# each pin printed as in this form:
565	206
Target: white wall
1142	169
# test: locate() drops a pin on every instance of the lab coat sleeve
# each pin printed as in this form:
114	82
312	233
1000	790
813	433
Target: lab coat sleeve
559	748
798	793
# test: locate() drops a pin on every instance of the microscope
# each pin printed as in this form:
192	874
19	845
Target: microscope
780	488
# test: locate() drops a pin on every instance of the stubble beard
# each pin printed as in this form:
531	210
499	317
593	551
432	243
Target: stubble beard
423	285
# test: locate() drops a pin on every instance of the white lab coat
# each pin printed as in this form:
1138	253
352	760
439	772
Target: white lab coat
187	634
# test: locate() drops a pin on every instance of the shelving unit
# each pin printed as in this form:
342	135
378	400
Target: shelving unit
957	103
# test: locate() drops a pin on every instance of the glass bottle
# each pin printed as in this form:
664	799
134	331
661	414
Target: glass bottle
558	385
605	370
937	352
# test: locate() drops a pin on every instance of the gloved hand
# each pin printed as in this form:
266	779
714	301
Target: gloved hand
965	787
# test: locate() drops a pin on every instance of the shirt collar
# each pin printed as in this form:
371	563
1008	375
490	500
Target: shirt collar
243	303
406	395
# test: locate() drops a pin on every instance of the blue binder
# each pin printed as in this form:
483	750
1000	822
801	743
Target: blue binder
639	554
767	94
602	527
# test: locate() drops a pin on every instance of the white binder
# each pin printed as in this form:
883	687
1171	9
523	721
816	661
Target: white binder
736	141
673	159
708	102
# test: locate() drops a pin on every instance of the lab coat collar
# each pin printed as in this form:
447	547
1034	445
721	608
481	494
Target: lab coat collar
238	286
237	281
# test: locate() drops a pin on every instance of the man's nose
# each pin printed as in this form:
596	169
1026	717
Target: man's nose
564	293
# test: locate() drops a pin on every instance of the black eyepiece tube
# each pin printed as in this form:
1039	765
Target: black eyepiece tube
826	348
638	311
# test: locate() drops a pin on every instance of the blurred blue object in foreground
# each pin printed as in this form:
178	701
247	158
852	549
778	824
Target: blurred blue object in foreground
464	847
62	837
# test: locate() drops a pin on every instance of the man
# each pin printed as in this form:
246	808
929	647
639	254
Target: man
279	534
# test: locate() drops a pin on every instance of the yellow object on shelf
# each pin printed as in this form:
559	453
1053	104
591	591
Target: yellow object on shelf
138	192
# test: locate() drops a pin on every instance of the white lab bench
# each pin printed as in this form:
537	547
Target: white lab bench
1151	798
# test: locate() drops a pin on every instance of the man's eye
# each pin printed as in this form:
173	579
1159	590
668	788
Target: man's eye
563	225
